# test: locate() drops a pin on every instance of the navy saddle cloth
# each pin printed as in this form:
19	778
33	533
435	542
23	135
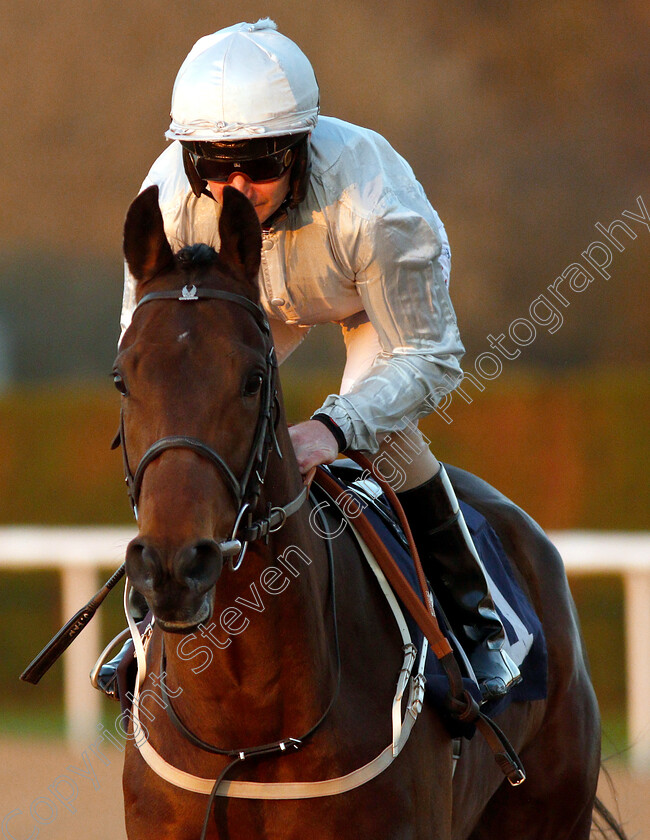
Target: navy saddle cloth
525	638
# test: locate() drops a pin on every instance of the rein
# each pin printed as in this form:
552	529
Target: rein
245	490
241	754
459	702
403	719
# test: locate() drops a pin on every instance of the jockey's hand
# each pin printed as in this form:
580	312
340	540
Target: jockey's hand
313	444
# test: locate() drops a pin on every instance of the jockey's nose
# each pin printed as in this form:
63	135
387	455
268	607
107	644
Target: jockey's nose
242	183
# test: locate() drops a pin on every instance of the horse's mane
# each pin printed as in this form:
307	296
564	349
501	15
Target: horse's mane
193	255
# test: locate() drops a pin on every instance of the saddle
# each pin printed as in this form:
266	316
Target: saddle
525	639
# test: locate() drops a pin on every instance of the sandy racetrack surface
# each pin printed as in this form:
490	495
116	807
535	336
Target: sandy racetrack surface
37	778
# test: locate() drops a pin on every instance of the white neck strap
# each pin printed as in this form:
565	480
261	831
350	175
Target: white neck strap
401	726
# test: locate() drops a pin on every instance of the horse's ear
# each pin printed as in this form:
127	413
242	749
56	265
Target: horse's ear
240	234
146	248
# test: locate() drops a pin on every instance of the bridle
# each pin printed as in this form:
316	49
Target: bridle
246	489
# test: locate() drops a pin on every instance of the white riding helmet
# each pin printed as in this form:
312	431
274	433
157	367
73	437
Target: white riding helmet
247	81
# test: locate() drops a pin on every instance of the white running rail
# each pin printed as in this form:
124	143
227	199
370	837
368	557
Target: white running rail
79	554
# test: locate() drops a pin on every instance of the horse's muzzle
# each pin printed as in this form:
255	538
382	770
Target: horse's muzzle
177	583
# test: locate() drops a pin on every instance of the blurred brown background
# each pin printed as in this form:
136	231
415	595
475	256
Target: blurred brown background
527	125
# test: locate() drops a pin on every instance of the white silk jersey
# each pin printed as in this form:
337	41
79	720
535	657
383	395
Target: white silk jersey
366	250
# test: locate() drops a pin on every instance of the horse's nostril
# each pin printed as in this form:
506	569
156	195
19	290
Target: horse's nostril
143	564
138	605
200	563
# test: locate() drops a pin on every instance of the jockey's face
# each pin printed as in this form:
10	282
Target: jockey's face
265	196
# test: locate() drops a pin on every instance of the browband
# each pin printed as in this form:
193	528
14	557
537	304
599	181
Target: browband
190	293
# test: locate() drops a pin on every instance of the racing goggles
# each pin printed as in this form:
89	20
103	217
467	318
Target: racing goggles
267	168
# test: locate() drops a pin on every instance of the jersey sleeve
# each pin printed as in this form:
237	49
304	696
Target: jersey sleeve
402	263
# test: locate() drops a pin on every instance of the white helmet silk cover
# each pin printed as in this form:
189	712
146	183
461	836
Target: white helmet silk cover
243	82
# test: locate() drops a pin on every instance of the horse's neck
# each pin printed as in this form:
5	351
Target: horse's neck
269	645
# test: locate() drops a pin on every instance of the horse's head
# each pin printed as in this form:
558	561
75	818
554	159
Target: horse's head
196	371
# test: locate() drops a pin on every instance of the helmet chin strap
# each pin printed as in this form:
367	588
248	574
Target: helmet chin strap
199	186
300	172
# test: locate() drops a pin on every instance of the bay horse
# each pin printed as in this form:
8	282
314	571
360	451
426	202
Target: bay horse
293	644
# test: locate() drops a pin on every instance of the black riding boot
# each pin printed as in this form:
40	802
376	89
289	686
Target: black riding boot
106	679
452	565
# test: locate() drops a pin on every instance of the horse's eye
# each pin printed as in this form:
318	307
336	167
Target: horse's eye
253	384
119	383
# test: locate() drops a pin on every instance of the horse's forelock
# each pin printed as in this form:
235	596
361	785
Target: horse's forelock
198	256
193	255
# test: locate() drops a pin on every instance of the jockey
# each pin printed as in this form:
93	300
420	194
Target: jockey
348	237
